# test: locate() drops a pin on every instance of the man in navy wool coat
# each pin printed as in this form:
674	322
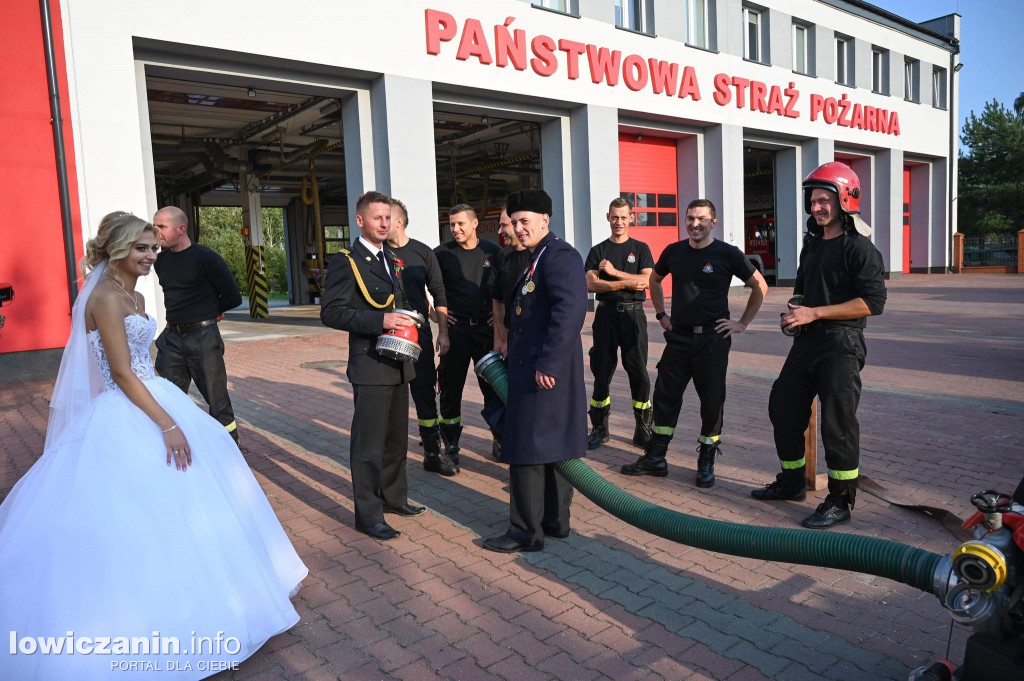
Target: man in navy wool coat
546	414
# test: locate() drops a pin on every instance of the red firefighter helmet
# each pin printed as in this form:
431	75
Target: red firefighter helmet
839	178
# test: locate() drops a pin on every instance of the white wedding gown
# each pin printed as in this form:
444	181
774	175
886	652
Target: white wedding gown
103	539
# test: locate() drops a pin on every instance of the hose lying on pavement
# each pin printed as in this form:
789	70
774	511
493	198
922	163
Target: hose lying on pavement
870	555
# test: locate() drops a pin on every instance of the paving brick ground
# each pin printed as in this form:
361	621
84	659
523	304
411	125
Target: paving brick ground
940	416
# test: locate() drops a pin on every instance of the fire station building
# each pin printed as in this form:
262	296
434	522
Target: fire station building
305	106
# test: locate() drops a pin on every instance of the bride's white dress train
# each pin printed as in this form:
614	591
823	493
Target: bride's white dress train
101	538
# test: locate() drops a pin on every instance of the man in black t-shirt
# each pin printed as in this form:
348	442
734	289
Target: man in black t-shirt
841	279
417	265
468	266
198	289
618	271
698	335
512	261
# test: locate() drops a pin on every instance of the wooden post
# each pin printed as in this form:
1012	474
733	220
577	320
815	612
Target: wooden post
814	481
958	252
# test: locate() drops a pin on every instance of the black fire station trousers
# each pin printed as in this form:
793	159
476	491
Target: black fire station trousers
825	361
702	357
198	356
626	329
422	386
469	342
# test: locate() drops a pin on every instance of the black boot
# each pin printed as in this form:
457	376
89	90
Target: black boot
653	461
789	485
644	426
434	460
706	463
835	510
450	433
599	419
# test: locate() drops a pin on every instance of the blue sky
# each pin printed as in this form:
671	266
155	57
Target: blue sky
991	46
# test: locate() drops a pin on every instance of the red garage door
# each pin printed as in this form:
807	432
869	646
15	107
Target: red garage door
648	179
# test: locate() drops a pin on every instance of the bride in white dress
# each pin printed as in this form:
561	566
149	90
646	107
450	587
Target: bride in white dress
141	520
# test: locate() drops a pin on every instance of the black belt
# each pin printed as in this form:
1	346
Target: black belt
703	328
470	321
621	307
195	326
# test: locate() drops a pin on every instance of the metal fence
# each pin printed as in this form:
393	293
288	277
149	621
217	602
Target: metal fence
993	250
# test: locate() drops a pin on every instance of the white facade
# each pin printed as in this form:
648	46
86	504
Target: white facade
377	58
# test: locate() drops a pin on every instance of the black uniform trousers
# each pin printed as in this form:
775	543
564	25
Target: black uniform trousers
626	330
378	450
468	343
702	357
422	387
198	356
539	500
825	361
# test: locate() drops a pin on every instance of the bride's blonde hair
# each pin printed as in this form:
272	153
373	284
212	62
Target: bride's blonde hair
114	238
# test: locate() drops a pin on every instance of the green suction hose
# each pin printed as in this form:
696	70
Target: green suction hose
870	555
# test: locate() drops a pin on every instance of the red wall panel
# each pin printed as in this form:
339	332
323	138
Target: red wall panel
648	165
31	240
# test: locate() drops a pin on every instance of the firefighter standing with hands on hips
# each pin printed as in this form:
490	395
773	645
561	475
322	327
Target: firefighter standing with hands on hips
698	336
841	280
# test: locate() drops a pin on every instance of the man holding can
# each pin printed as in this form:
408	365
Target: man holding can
841	280
362	295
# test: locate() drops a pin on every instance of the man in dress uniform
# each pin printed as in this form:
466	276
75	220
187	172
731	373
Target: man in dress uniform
419	272
198	290
545	417
618	271
361	293
468	265
513	258
698	336
841	280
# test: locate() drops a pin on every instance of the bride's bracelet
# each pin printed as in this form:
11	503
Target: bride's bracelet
174	427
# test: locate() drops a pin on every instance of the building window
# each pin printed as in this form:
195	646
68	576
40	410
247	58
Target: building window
880	71
938	87
800	48
752	34
697	23
911	80
843	61
630	14
557	5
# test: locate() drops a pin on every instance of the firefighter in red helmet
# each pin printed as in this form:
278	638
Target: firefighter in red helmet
841	280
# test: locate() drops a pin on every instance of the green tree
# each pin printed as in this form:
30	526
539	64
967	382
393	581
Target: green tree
220	228
991	197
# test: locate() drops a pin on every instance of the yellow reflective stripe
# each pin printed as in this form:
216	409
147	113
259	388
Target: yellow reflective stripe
449	422
231	426
641	405
790	465
709	439
426	423
603	403
844	475
663	430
